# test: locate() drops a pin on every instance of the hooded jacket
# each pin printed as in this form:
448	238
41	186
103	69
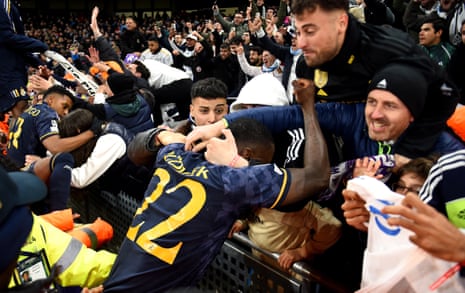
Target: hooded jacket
130	110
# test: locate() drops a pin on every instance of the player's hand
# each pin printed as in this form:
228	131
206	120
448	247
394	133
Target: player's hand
304	91
196	140
221	151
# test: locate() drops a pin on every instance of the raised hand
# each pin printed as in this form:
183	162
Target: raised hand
94	55
248	11
39	84
239	50
367	167
255	24
93	19
304	91
94	23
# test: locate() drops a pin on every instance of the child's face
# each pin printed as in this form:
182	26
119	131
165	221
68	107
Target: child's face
409	183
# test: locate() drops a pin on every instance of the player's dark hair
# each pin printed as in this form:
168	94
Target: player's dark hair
250	132
58	89
209	88
300	6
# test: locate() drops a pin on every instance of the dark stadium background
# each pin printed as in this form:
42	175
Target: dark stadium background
136	7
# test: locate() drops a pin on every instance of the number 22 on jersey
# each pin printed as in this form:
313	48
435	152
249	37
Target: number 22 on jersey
146	239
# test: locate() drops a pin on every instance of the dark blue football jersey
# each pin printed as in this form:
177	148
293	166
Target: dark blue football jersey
189	208
28	131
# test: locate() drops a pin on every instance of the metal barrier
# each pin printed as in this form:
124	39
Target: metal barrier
235	269
116	209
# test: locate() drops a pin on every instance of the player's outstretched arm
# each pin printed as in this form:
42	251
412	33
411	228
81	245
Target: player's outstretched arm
314	177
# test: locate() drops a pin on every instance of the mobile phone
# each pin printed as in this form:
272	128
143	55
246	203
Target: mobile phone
257	15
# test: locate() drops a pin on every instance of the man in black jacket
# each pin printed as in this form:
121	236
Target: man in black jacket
132	40
226	68
341	55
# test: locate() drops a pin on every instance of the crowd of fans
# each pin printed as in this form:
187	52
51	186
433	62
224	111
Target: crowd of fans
388	103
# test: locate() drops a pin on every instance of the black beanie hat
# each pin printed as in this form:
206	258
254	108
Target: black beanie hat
405	82
120	83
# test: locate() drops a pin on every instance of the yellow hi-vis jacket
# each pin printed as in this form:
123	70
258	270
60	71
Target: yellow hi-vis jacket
80	266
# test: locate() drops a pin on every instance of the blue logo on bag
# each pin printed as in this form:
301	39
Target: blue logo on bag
386	229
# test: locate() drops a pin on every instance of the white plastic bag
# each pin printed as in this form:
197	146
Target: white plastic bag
391	262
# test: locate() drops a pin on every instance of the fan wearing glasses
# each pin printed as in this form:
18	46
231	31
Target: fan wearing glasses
411	177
